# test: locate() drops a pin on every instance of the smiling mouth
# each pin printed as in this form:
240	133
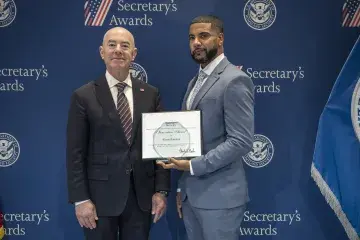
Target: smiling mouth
197	51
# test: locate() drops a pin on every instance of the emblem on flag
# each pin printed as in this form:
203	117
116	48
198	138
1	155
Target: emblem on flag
351	13
96	11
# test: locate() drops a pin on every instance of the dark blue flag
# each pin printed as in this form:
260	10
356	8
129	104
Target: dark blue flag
336	162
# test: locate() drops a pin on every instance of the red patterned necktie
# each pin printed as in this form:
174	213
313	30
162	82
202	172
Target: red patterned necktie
123	110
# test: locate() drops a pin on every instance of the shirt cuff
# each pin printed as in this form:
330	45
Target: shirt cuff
191	170
78	203
178	190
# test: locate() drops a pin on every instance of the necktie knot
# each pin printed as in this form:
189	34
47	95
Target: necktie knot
121	86
202	76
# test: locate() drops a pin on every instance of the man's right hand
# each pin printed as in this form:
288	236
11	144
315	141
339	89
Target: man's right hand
179	204
86	214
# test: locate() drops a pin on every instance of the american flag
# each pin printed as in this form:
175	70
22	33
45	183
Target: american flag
351	13
96	11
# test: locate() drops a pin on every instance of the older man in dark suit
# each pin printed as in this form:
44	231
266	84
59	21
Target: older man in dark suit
113	190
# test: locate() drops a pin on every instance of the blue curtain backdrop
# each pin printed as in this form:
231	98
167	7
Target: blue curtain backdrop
294	54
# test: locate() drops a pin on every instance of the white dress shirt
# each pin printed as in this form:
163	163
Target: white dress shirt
208	70
114	91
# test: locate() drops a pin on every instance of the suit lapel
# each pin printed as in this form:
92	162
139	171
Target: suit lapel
138	108
103	94
190	86
204	88
214	76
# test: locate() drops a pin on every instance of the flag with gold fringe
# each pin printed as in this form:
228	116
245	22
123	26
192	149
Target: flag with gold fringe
2	230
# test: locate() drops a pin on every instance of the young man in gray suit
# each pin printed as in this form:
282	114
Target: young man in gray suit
212	192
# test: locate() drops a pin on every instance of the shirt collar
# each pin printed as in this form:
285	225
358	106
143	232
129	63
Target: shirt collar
212	65
113	81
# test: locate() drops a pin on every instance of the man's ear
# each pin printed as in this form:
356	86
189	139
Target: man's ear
221	38
135	51
101	50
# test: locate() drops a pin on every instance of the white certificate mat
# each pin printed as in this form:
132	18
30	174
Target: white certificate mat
171	134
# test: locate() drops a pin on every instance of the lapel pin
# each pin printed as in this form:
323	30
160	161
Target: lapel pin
141	89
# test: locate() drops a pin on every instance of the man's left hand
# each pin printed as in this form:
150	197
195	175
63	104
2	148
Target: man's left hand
158	206
183	165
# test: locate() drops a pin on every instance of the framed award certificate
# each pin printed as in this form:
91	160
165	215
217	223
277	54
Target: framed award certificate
171	134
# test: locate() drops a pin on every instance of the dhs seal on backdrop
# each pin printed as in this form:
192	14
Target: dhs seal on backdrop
7	12
262	152
9	150
138	72
355	109
259	14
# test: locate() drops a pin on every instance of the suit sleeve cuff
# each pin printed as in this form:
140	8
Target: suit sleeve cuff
197	166
191	169
78	203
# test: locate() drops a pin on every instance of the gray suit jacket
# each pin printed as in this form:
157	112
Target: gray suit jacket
226	101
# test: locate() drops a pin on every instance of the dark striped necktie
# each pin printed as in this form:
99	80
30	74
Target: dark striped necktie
123	110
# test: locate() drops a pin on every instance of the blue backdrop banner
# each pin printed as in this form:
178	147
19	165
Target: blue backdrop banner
292	50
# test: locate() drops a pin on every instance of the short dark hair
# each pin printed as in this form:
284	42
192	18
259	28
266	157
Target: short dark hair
215	21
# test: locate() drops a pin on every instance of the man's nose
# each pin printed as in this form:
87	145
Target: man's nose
196	42
118	49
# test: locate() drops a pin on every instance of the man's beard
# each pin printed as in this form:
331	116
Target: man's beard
209	56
